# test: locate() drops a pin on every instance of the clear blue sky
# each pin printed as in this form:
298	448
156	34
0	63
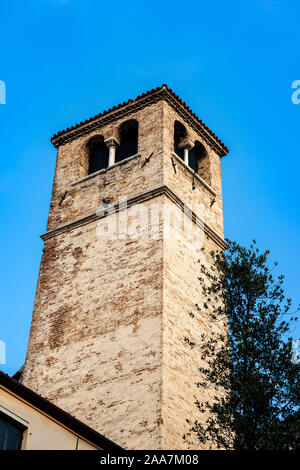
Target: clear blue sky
233	62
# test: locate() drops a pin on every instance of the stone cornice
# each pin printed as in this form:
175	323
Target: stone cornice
140	198
146	99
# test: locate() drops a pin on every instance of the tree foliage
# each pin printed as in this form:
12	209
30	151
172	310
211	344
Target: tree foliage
249	360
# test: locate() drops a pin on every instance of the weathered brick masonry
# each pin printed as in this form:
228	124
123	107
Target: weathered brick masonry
110	315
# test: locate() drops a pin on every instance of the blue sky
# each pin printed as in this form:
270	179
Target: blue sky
233	62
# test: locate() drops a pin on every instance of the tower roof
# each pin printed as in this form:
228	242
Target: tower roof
145	99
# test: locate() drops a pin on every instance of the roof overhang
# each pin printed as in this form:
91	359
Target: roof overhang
146	99
56	413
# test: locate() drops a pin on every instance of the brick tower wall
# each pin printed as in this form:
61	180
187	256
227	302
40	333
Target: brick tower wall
182	290
106	341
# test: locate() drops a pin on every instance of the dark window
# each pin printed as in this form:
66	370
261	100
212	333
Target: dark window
11	435
98	154
128	132
180	133
195	155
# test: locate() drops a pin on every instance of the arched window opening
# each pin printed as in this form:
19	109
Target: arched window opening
98	154
199	161
196	155
180	134
128	133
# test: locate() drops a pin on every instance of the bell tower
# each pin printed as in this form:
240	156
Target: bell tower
119	272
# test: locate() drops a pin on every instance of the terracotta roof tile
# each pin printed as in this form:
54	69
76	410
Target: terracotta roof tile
162	92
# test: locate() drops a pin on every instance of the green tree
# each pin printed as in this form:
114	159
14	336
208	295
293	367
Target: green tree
251	366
